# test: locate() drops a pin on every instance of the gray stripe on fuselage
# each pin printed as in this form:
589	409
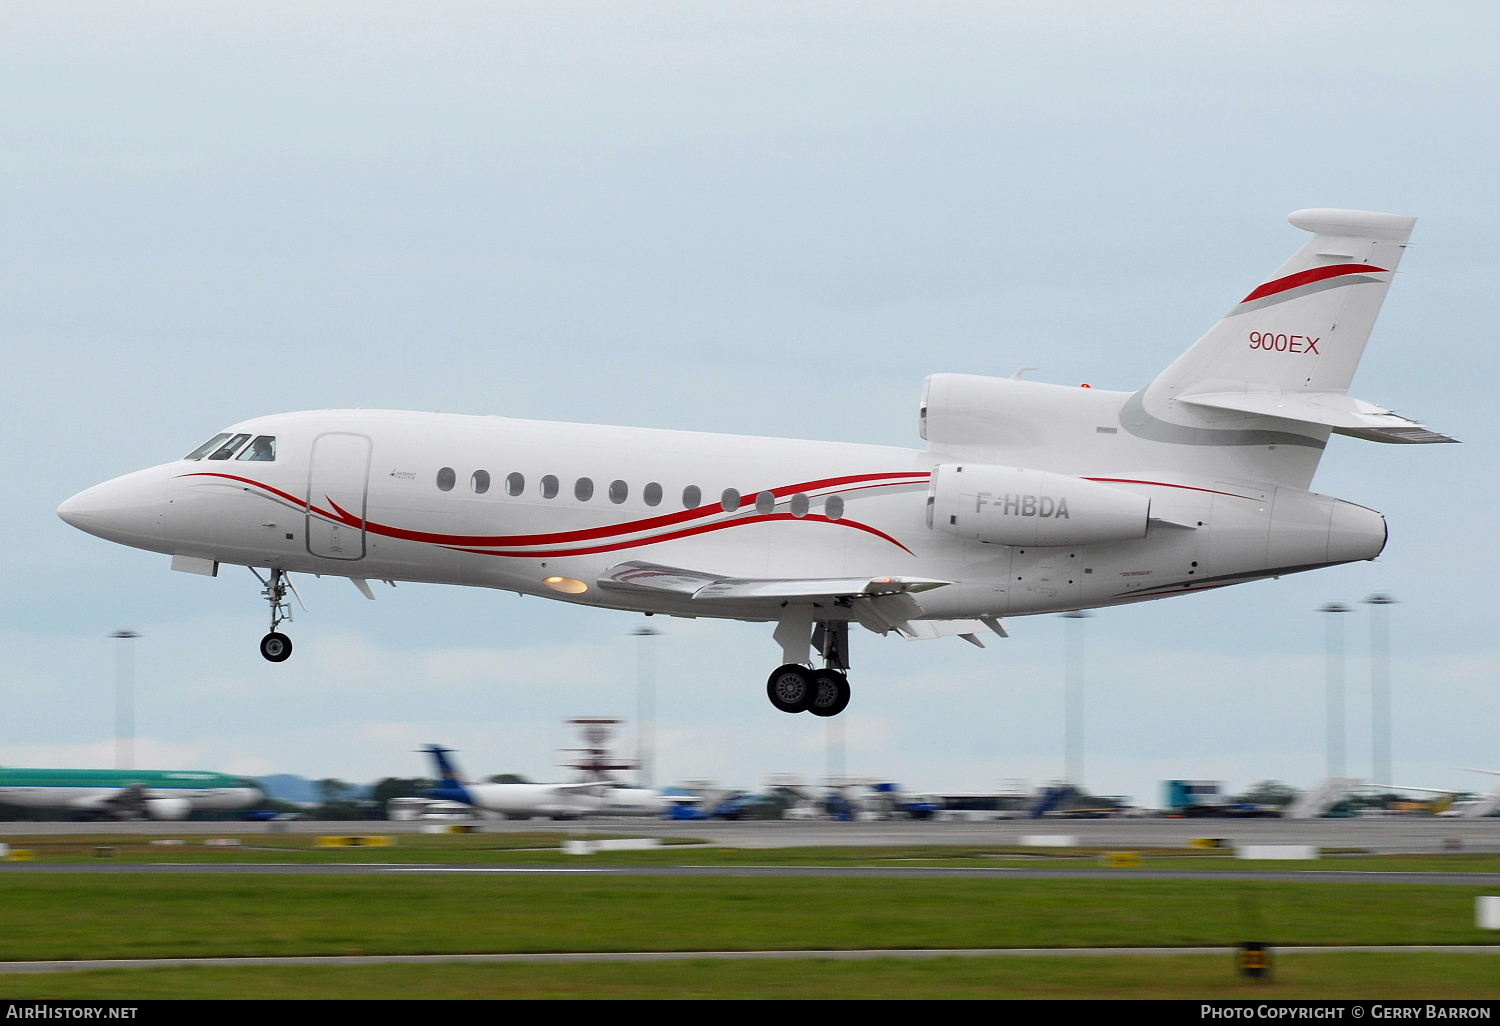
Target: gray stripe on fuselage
1135	419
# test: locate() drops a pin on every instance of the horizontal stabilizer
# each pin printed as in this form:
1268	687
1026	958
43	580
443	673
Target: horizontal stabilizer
639	576
1344	414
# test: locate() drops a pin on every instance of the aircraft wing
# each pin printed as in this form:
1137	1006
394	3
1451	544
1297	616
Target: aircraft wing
128	801
1425	790
882	604
648	577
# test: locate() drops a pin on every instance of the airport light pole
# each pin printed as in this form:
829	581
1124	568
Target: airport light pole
1334	675
1073	698
124	698
834	762
645	704
1380	687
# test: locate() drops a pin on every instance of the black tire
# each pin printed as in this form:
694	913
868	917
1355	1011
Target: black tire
276	647
831	696
790	688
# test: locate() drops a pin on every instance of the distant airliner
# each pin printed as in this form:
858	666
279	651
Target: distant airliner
126	794
555	801
1469	804
1028	498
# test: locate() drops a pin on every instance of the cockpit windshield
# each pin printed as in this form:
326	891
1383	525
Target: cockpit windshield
262	450
207	447
224	445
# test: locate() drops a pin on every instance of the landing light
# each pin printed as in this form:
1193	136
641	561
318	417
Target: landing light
566	585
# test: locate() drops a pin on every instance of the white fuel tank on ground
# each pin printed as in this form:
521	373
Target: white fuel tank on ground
1020	506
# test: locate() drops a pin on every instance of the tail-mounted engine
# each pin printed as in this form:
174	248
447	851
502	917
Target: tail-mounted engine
1017	506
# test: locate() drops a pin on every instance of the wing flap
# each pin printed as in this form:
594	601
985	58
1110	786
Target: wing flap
927	630
650	577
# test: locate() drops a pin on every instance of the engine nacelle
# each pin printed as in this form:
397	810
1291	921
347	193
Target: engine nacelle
168	808
1017	506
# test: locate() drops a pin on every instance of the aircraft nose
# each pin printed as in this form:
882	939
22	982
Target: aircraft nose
127	510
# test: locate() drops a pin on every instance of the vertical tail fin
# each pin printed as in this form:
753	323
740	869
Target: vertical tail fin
447	771
1258	395
1304	329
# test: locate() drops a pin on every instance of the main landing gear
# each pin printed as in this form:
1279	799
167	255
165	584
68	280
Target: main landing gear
793	687
275	646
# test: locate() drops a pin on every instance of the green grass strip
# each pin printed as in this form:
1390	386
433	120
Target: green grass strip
117	916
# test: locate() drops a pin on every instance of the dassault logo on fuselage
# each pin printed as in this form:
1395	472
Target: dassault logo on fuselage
1023	505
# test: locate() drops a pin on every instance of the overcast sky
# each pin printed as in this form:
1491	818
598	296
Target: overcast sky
756	218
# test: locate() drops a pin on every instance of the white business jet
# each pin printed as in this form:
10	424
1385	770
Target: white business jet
1028	497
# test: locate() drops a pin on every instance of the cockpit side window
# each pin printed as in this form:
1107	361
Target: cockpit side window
207	447
229	448
262	450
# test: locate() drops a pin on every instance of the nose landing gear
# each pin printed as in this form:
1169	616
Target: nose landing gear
275	646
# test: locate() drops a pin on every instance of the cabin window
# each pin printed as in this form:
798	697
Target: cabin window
833	507
229	448
730	500
799	505
619	491
207	447
445	479
692	497
549	486
765	502
651	494
262	450
479	481
515	484
583	489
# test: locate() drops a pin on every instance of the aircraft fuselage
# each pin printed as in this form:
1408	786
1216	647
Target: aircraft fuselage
1028	498
543	508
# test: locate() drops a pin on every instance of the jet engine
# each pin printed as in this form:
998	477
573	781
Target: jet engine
168	808
1018	506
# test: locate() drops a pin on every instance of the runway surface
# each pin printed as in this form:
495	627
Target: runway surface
1381	836
1384	835
102	867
